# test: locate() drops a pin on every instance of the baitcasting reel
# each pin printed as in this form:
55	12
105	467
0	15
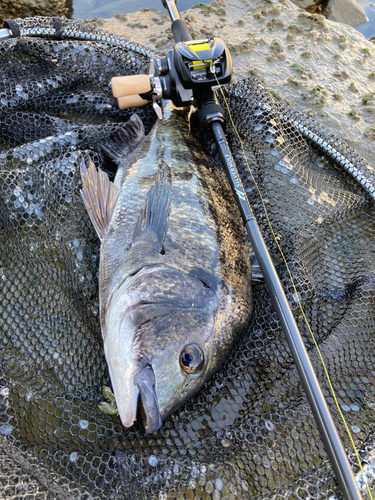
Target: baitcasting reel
185	75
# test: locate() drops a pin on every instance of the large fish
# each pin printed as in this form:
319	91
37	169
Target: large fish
174	276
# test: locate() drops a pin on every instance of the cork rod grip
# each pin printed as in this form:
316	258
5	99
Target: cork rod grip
130	85
131	101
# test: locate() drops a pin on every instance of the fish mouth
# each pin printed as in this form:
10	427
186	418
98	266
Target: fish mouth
135	393
148	407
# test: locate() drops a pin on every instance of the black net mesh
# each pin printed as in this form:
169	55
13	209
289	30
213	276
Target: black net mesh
250	431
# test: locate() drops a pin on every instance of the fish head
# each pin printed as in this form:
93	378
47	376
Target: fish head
160	342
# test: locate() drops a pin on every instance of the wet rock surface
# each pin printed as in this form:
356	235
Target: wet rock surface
26	8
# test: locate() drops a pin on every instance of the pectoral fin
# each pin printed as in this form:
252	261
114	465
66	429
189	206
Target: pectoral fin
154	215
125	139
100	197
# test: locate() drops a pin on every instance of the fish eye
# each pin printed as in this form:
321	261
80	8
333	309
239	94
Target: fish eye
192	359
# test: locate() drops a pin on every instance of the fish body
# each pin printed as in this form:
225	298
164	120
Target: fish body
174	275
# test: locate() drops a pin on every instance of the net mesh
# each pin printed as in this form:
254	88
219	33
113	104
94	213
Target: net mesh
250	431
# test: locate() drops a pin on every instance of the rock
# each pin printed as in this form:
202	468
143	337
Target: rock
9	9
312	6
302	58
346	12
304	4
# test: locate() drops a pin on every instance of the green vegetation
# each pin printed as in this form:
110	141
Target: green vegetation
366	51
354	114
276	94
208	9
301	70
367	98
370	132
298	67
293	80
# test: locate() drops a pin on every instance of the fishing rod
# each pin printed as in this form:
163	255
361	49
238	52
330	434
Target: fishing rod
186	75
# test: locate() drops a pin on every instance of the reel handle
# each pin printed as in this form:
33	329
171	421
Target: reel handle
131	101
130	85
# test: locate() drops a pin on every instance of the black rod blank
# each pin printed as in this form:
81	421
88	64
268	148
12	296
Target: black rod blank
322	415
326	426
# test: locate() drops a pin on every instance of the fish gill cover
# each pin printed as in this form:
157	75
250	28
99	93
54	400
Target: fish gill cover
249	433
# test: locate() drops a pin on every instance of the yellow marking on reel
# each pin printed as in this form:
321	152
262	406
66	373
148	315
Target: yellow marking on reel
199	46
296	294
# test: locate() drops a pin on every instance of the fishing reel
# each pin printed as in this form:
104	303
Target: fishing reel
185	75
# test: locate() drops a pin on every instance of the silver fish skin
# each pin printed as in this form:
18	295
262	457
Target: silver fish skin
174	275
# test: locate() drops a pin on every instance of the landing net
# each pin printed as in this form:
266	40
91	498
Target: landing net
249	433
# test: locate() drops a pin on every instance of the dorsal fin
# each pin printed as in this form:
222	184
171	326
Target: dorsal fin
154	215
124	139
99	196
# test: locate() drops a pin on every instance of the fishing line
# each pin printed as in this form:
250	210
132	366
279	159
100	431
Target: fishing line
296	294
